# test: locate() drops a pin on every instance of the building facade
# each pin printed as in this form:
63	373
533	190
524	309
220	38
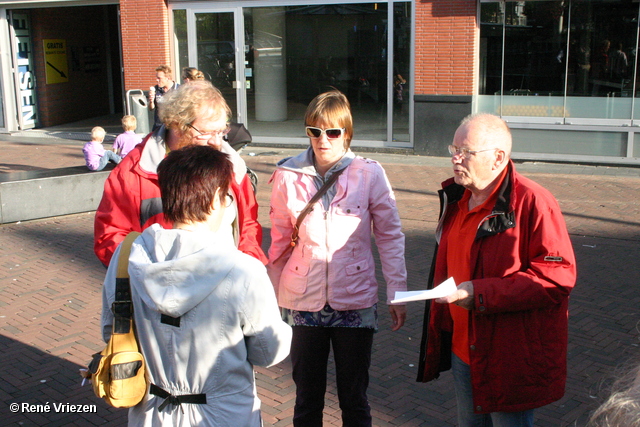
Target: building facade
561	73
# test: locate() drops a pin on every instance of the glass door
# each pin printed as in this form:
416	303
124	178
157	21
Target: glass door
214	46
271	61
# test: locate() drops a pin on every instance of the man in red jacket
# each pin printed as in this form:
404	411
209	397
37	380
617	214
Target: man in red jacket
503	239
192	114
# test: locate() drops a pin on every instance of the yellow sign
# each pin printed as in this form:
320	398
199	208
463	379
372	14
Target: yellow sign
55	61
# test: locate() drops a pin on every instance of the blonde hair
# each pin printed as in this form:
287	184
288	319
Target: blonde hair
164	69
333	109
98	133
622	408
129	122
181	107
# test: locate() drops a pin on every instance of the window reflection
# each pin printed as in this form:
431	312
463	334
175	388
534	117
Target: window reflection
293	53
180	36
215	38
401	70
604	39
561	58
306	50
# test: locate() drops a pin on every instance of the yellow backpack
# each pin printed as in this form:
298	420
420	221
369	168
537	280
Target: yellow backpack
118	373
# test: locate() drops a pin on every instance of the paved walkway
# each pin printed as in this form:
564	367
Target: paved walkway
50	285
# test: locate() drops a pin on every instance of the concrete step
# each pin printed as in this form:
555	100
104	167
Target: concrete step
38	194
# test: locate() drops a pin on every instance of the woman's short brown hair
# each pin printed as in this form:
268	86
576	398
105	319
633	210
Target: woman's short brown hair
333	109
189	178
181	107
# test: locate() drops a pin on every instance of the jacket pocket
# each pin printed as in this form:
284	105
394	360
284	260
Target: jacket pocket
348	210
296	279
357	274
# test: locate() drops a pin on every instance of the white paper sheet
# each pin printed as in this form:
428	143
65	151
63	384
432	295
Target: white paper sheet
442	290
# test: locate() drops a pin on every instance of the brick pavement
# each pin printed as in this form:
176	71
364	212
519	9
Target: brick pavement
50	300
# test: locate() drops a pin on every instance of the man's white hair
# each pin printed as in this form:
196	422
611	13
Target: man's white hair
490	131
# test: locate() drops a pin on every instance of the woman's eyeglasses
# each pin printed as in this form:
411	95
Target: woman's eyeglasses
229	200
211	134
333	133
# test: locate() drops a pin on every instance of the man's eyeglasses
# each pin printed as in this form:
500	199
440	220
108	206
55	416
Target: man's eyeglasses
211	134
333	133
465	152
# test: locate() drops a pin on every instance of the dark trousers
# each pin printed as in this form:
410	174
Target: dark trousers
352	355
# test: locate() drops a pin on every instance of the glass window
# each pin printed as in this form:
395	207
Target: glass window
602	47
491	32
180	36
215	38
532	79
535	44
293	53
401	70
564	59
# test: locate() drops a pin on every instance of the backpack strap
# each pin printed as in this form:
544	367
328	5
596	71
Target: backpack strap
122	307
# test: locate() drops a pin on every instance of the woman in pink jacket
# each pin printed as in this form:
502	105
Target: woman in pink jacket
326	285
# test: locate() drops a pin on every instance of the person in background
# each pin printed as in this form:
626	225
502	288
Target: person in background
95	156
164	84
398	92
204	312
502	237
194	114
190	74
619	64
127	140
326	285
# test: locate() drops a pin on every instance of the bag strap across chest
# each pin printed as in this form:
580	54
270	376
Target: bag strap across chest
296	228
122	307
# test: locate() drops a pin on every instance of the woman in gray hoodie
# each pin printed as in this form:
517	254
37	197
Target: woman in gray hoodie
205	312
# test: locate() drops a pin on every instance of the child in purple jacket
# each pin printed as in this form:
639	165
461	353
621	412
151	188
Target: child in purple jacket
94	153
126	141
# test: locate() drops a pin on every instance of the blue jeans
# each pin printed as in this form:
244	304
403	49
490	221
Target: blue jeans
466	416
352	354
108	156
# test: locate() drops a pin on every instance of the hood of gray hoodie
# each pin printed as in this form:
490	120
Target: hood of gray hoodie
171	270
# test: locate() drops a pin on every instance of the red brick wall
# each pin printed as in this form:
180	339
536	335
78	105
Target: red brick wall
446	44
145	41
446	47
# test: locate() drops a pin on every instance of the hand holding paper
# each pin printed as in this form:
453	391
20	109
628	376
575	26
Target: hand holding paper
442	290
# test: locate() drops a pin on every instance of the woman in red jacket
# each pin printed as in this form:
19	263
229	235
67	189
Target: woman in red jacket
193	114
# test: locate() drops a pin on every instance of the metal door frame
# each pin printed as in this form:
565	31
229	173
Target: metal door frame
239	83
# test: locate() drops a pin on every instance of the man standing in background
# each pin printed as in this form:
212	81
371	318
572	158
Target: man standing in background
164	84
